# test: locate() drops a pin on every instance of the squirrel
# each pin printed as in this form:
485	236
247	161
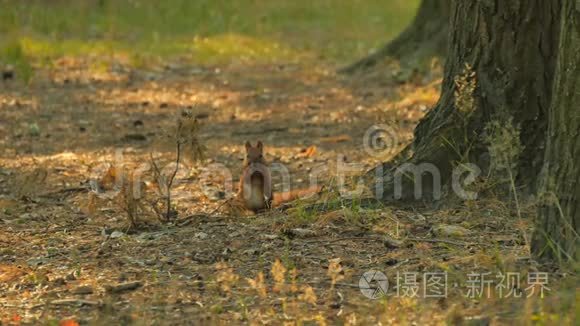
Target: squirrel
255	187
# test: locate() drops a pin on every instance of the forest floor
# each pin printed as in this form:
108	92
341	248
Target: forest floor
95	99
68	256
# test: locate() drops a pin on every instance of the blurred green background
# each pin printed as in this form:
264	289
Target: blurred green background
203	31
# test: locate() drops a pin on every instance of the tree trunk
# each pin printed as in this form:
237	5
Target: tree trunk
558	225
511	47
426	37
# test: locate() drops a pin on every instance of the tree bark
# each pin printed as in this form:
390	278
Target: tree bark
511	47
426	37
558	224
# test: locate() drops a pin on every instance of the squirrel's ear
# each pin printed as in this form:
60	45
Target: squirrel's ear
248	145
259	144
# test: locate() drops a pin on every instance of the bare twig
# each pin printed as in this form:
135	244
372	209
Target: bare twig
170	181
220	206
379	239
344	239
75	302
117	288
441	241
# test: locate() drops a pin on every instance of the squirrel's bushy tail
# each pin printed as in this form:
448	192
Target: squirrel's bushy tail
288	196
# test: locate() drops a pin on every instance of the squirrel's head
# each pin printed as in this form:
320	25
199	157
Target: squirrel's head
254	154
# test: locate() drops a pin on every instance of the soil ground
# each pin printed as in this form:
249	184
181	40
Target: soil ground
68	256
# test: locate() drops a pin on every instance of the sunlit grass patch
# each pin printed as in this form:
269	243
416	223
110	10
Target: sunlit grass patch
25	52
222	30
421	95
236	47
13	54
40	48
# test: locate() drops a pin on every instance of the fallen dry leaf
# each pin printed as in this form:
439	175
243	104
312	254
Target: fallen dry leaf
336	139
9	273
68	322
308	152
